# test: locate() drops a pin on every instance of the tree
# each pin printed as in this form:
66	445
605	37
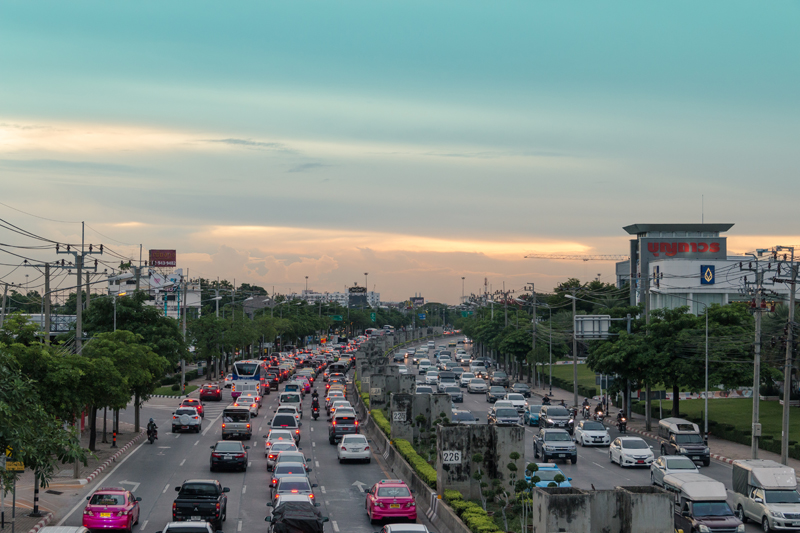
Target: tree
106	386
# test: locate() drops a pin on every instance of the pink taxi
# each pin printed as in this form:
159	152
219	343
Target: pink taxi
391	498
111	508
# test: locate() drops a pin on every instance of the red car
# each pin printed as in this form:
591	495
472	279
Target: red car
111	508
197	404
391	498
211	392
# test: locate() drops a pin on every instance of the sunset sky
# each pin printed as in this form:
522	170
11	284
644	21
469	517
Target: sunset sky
417	141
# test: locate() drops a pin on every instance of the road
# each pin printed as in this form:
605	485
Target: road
153	472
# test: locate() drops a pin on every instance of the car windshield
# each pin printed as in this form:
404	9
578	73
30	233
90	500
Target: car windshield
534	408
499	375
477	381
689	438
681	463
107	499
182	529
557	411
235	416
229	447
199	489
432	374
547	474
190	412
634	444
593	426
283	420
463	416
452	389
290	398
294	485
291	457
293	468
498	390
782	496
711	509
393	492
516	397
558	435
355	439
287	410
468	375
282	447
520	386
512	413
424	389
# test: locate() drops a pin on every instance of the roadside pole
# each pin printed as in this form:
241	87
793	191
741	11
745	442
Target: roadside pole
787	369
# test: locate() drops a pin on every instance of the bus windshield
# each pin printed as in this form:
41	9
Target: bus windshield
247	370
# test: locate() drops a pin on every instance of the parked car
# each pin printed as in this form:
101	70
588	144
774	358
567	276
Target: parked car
228	454
186	419
630	451
390	499
111	508
671	464
554	444
210	391
591	433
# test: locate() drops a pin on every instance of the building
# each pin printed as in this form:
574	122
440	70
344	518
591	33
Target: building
312	297
163	291
685	264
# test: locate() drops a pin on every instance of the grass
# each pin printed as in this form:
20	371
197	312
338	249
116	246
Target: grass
738	412
585	375
167	391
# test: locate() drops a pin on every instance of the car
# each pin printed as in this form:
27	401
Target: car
477	367
281	499
432	377
403	369
392	499
287	421
446	379
277	448
337	404
399	357
517	400
186	419
249	402
423	366
342	424
630	451
477	386
291	484
210	391
554	444
531	415
292	457
289	409
556	416
455	393
197	404
175	527
228	454
111	508
504	415
499	378
451	344
255	396
464	378
404	528
333	396
354	448
522	388
591	433
423	389
671	464
228	381
547	473
465	418
495	393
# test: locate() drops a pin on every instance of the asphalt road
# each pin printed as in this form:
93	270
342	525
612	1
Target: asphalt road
153	471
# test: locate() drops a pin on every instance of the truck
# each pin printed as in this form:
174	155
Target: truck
766	492
700	504
201	500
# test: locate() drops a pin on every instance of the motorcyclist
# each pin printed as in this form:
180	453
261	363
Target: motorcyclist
620	416
563	404
314	403
314	395
151	426
598	408
546	400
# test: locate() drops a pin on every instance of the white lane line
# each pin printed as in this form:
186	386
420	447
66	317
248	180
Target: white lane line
239	528
313	444
196	443
211	425
316	463
312	429
178	435
166	487
100	483
244	489
335	526
322	489
182	462
249	463
144	525
601	466
259	428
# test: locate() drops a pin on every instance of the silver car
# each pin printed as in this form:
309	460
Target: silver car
671	464
477	386
186	419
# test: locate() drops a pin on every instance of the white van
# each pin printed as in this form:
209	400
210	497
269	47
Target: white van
764	490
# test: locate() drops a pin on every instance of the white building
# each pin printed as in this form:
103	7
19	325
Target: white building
163	291
342	298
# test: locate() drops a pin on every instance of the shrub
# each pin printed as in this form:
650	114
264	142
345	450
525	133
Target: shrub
365	399
459	506
176	387
452	495
480	523
380	419
420	465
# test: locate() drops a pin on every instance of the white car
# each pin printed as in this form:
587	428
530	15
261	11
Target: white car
423	389
256	397
503	403
432	377
249	402
465	377
517	400
424	365
278	435
354	448
186	419
671	464
289	409
339	404
477	386
630	451
477	367
403	369
591	433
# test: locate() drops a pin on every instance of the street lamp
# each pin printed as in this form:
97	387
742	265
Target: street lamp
574	351
115	307
462	290
366	285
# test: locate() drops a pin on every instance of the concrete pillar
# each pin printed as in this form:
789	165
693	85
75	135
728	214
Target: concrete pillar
377	388
440	403
401	411
507	439
407	383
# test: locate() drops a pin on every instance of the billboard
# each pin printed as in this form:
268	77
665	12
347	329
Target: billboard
163	258
357	290
683	248
417	300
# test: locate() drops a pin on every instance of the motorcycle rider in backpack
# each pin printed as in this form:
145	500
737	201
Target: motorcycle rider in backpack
152	430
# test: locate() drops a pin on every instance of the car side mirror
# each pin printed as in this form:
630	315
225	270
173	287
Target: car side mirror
264	436
651	447
686	513
87	498
211	447
177	489
758	500
325	518
267	519
313	485
247	447
569	479
225	489
300	424
269	504
138	499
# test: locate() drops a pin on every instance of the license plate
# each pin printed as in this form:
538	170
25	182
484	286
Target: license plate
640	462
184	427
796	523
696	458
105	515
196	517
395	506
562	455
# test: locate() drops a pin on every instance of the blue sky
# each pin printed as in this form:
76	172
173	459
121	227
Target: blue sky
434	139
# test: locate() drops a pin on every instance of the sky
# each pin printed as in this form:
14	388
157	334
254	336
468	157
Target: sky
421	142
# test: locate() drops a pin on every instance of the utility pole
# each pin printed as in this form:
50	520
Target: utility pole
533	341
787	368
645	283
462	290
46	317
3	308
88	290
183	326
574	350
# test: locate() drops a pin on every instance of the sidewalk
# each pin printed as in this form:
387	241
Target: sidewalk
722	450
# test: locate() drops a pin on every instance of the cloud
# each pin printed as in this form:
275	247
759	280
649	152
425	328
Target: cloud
247	143
305	167
33	165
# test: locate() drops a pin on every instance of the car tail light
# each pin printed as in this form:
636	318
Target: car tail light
253	405
334	422
411	504
223	425
295	491
271	456
174	507
248	425
196	417
297	431
87	512
356	422
122	513
378	503
274	482
343	449
215	454
217	510
239	455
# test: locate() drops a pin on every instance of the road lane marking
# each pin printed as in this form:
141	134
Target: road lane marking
144	525
182	462
250	463
212	425
165	489
259	428
196	443
316	463
178	435
244	489
312	429
313	444
601	466
100	483
335	526
239	528
322	488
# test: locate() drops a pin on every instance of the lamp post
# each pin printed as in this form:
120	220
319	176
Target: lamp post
462	290
306	286
115	307
574	350
366	286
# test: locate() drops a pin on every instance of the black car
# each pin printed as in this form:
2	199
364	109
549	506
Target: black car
495	393
499	378
229	454
521	388
341	425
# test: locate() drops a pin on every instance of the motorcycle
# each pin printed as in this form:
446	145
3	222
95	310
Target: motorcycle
152	435
599	415
315	413
622	425
586	412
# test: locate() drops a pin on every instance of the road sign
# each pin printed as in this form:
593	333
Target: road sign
451	457
336	318
422	316
399	416
373	316
15	466
465	314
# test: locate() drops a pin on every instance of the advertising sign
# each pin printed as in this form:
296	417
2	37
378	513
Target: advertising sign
707	275
357	290
417	300
163	258
683	248
421	316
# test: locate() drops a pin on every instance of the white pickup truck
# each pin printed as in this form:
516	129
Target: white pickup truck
766	493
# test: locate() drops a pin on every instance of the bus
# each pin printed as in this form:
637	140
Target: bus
250	370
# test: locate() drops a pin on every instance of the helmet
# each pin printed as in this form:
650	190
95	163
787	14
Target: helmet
151	420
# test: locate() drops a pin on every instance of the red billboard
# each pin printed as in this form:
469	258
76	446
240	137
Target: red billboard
163	258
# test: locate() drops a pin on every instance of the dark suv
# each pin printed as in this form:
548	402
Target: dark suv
273	381
341	425
499	378
554	444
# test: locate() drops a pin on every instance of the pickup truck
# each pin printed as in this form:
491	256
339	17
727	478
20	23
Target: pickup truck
201	500
765	492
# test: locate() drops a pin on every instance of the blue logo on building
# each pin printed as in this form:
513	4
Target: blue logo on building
707	275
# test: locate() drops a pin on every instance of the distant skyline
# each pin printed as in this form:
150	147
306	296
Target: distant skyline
419	142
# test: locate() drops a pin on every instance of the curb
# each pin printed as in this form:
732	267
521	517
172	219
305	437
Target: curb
112	459
41	523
